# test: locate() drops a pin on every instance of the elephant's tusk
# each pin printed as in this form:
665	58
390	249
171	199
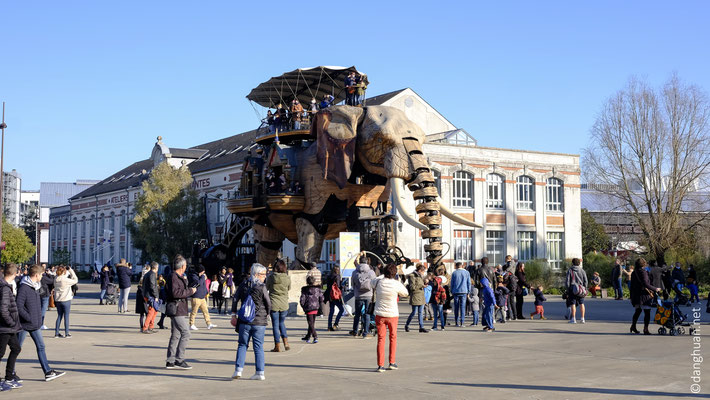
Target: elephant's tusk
450	214
396	185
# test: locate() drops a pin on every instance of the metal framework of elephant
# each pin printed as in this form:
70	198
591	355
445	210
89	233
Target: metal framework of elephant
361	156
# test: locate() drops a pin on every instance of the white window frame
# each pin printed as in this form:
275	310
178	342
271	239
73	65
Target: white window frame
495	247
464	245
525	241
495	191
555	194
525	193
437	180
555	249
462	190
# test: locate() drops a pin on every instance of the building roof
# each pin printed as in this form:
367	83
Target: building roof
597	201
55	194
382	98
187	153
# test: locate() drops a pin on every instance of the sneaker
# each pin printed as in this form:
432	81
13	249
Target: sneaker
169	365
571	321
193	328
380	369
67	336
52	375
44	327
305	339
581	321
352	333
336	328
315	341
16	378
210	326
4	386
182	365
422	330
58	336
406	328
147	331
237	374
392	366
257	377
543	317
13	384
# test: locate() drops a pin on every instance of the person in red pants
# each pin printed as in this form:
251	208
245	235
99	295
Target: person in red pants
387	289
150	294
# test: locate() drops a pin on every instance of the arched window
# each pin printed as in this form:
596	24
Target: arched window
525	193
554	199
83	227
463	189
101	225
123	222
495	194
92	222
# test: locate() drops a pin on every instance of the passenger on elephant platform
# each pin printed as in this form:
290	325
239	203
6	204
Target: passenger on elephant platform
296	110
281	118
350	89
360	90
327	101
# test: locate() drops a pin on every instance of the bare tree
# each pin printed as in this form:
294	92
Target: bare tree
650	150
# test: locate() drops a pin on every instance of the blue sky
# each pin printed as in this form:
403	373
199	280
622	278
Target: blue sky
89	85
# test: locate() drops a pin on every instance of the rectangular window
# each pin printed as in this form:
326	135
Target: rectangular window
554	194
463	189
494	195
123	223
122	251
555	251
495	247
463	245
525	193
526	246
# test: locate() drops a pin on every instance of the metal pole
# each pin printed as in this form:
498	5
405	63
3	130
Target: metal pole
2	158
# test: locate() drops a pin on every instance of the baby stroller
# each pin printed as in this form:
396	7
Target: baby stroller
110	297
671	319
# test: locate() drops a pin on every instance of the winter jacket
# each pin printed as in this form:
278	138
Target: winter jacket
105	277
315	273
677	275
656	276
46	285
362	278
487	272
501	295
438	292
9	317
415	285
640	282
475	300
522	283
124	277
386	292
460	282
63	284
150	285
576	274
692	276
260	296
333	280
489	298
539	297
311	298
616	272
29	305
278	284
177	290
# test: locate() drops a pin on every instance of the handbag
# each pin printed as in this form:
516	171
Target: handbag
371	306
171	309
335	292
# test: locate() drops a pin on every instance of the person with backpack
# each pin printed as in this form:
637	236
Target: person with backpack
278	284
415	287
576	283
198	280
362	287
438	298
177	291
311	302
334	296
250	319
9	327
387	288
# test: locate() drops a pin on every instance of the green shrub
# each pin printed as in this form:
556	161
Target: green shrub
601	263
537	273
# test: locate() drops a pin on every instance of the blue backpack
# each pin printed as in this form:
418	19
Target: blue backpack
248	309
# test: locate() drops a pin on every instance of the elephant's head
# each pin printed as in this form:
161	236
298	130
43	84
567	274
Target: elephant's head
389	145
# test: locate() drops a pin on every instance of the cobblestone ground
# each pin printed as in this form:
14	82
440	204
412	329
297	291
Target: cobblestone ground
108	358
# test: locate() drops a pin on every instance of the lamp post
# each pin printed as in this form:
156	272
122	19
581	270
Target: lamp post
2	188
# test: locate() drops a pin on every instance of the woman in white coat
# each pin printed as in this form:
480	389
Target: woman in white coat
63	296
387	289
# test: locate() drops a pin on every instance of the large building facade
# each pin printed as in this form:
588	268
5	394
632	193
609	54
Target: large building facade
12	196
528	202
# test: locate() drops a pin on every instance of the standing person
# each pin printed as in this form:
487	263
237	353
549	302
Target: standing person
387	287
539	300
656	275
489	304
460	287
45	292
362	278
63	296
29	307
222	282
627	273
278	285
151	294
428	314
350	82
253	330
124	284
520	292
616	277
315	273
475	304
596	284
229	289
511	282
501	293
438	298
576	283
416	297
9	326
104	279
642	294
334	295
485	271
692	284
198	280
162	283
678	278
177	292
141	306
311	301
214	288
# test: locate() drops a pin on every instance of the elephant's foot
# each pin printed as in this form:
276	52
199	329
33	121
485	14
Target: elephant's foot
265	255
310	242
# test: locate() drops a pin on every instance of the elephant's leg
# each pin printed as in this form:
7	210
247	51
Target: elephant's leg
310	242
266	256
268	243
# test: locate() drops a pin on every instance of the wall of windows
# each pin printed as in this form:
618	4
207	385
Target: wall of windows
555	251
463	189
526	246
525	193
463	245
495	247
554	198
495	191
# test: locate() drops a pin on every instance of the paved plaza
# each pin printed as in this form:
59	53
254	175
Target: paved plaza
108	358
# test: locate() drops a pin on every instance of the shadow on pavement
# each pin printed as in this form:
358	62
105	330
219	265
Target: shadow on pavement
627	392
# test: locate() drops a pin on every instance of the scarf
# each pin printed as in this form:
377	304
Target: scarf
27	281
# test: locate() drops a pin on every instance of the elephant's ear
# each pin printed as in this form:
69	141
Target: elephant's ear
335	130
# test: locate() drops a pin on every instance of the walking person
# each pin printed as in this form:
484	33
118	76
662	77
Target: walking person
198	280
141	308
642	295
438	298
501	293
278	285
334	296
460	287
521	290
511	282
475	303
311	302
104	280
45	291
29	307
387	287
576	283
489	304
177	292
162	283
123	273
9	327
539	300
151	295
362	281
415	287
428	314
616	278
251	290
63	296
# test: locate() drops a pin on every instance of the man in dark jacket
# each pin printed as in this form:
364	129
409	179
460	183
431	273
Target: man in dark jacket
29	307
616	279
177	292
45	292
362	286
124	284
198	280
485	271
151	294
511	282
9	326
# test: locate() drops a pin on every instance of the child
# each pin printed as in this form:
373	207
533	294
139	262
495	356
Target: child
311	302
214	288
693	288
539	299
9	326
427	297
595	285
475	305
489	303
501	299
